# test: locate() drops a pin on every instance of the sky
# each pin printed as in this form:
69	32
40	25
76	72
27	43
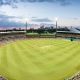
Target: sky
15	13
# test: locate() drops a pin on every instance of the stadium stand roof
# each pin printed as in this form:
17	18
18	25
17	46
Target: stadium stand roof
71	31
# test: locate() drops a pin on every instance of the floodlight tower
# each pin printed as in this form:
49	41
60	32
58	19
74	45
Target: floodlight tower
26	27
56	19
26	24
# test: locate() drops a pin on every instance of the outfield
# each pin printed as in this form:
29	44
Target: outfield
40	59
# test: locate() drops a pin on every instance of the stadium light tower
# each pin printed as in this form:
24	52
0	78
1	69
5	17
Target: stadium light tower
26	24
26	27
56	19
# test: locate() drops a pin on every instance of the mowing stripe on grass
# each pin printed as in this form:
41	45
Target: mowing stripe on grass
40	59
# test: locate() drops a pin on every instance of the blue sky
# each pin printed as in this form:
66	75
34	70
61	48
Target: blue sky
14	13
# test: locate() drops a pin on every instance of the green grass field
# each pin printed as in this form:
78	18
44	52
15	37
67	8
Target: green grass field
40	59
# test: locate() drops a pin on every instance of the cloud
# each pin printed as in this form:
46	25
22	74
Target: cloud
36	0
9	24
9	2
10	21
5	16
64	2
41	20
75	18
13	3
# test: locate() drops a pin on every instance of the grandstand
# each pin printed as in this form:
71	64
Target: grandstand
6	35
11	35
73	32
